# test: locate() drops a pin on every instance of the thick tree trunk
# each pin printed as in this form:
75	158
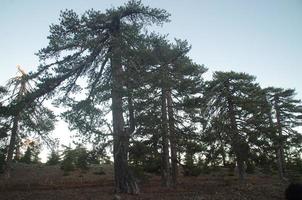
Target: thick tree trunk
174	168
277	146
236	143
17	152
165	171
240	164
11	147
124	180
131	113
279	163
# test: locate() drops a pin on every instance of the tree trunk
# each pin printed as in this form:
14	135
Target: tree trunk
236	143
174	168
11	147
223	154
131	112
240	164
280	149
124	180
279	162
17	147
165	171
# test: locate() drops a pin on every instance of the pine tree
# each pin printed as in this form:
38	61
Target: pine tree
53	158
27	158
94	47
170	78
286	115
233	99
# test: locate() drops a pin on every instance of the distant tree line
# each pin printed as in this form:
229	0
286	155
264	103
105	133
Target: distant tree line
164	116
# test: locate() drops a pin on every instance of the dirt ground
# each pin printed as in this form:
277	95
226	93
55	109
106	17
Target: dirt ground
50	183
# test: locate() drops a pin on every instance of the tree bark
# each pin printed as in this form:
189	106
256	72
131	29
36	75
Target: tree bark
165	171
174	168
131	112
124	180
17	151
223	154
236	143
280	148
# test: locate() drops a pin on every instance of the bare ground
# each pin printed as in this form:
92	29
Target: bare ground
49	183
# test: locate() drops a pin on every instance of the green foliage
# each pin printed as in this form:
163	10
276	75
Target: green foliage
192	169
27	158
100	171
67	164
53	158
31	155
227	118
234	106
144	158
81	161
75	159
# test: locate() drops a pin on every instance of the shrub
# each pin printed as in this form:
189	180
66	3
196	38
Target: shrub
100	171
192	170
75	159
67	163
81	158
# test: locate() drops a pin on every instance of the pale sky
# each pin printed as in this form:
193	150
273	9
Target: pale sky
259	37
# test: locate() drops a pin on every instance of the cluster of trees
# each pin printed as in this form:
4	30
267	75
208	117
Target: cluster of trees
76	158
251	125
162	111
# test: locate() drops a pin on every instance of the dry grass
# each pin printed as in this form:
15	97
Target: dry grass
49	183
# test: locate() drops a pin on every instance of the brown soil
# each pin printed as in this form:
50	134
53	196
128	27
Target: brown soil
49	183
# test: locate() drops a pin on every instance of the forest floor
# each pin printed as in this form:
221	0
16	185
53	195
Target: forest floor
40	182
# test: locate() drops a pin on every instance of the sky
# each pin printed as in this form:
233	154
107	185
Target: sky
259	37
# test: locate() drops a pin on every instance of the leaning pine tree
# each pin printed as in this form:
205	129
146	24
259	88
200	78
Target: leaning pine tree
32	118
92	47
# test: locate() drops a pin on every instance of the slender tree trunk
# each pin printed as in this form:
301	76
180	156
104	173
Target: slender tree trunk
174	167
280	148
11	147
165	171
124	180
223	154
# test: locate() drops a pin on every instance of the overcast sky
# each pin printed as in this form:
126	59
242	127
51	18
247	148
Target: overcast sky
259	37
